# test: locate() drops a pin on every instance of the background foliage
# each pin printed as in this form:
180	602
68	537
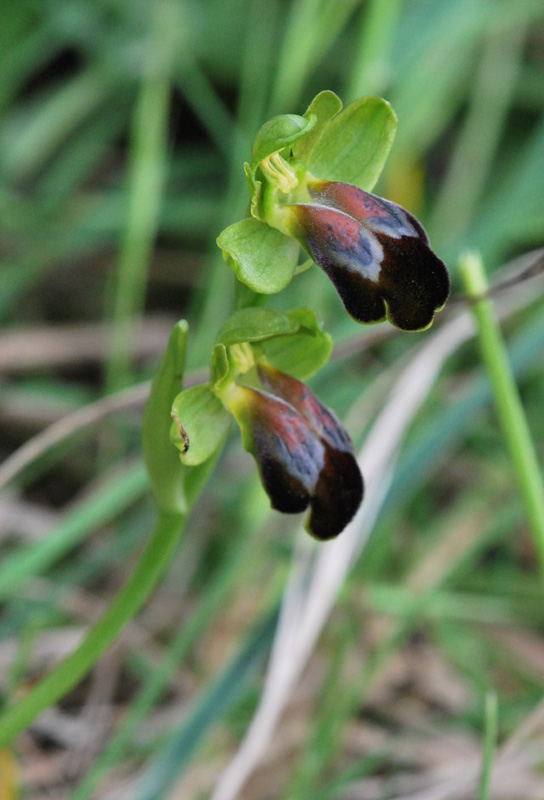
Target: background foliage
124	125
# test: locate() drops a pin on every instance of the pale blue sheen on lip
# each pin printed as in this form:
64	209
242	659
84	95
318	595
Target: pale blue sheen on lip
396	228
297	448
364	257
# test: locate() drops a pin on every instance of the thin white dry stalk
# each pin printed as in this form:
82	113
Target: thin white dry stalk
318	571
44	441
72	423
32	348
513	778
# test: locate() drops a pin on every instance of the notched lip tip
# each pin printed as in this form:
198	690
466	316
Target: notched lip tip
321	539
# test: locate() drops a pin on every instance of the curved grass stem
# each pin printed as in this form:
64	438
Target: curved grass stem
507	400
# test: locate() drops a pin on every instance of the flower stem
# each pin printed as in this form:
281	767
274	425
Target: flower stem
507	400
74	667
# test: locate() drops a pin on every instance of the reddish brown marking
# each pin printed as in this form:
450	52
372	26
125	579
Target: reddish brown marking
182	432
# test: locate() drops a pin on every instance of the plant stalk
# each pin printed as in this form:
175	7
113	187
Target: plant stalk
507	401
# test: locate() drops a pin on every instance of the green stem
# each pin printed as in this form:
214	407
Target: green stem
507	401
258	58
74	667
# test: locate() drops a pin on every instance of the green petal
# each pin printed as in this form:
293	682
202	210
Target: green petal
203	420
277	133
255	190
219	365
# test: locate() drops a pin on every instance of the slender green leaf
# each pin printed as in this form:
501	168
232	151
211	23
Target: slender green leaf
100	507
212	706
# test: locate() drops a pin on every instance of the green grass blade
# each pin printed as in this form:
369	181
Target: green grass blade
74	667
102	506
147	167
490	744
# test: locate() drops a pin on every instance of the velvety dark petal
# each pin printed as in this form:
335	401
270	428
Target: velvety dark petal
289	455
320	418
414	282
350	255
338	494
361	298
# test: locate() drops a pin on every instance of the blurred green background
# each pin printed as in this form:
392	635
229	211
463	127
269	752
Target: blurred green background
123	129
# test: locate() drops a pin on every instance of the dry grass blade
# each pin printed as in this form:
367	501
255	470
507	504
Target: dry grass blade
77	421
55	346
515	771
67	426
512	778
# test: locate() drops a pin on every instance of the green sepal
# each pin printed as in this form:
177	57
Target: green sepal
161	459
324	106
355	144
204	421
293	341
304	353
278	133
255	325
261	257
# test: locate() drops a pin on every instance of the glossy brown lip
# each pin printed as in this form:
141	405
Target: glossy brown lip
376	254
304	455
